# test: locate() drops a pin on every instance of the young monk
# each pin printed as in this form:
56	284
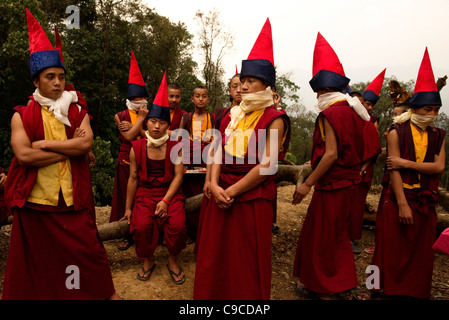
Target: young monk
130	125
55	252
344	139
406	220
198	126
154	200
174	99
234	254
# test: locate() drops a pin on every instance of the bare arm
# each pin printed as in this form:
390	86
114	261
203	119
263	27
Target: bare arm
136	129
25	154
436	167
162	207
326	162
256	176
78	145
131	188
405	213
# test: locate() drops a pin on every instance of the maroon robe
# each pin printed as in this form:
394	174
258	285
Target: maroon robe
118	204
193	184
154	178
4	212
324	260
177	116
404	253
234	254
47	240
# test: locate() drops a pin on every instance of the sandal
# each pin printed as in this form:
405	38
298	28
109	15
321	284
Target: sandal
172	273
369	208
127	241
303	292
143	278
369	250
354	294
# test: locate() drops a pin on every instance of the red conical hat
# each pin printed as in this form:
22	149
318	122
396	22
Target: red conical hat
325	58
236	70
376	85
263	47
58	44
426	79
38	40
161	98
135	76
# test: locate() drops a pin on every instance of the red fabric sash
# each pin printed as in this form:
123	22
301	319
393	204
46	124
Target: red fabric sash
21	179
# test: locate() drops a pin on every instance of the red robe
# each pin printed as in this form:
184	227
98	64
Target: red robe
46	240
176	121
118	204
154	181
193	184
234	254
404	253
324	260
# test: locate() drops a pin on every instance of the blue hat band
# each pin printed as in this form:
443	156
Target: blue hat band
370	96
135	90
41	60
259	68
328	79
159	112
426	98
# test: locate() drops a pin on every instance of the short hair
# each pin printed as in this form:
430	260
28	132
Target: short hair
356	94
200	87
173	86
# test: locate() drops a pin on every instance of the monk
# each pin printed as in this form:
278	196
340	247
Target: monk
55	251
234	254
155	202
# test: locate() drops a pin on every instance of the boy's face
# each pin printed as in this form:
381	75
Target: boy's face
368	105
51	82
235	90
200	98
174	98
252	85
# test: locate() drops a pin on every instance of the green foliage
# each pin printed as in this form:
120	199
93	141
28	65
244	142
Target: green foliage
103	172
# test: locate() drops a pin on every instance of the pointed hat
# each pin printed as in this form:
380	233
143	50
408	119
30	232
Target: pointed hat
136	84
372	92
426	91
327	70
260	62
58	44
160	108
42	53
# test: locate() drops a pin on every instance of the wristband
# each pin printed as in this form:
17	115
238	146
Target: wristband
167	202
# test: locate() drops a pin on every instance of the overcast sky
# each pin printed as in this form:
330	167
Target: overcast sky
367	36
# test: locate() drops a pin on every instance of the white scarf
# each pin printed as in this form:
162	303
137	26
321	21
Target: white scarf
135	105
419	120
59	107
156	142
250	102
326	99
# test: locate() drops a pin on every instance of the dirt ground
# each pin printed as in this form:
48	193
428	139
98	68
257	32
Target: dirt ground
125	265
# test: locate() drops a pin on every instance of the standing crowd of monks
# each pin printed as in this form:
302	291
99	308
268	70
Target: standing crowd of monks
167	155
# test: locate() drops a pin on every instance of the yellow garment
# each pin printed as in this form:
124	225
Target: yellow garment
197	135
172	112
57	176
237	143
420	143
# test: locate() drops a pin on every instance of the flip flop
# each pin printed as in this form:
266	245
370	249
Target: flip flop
369	208
369	250
128	243
145	272
177	275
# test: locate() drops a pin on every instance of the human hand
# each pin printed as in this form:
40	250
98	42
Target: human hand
395	163
2	180
405	214
300	193
143	112
223	200
127	216
206	189
79	133
161	209
125	126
